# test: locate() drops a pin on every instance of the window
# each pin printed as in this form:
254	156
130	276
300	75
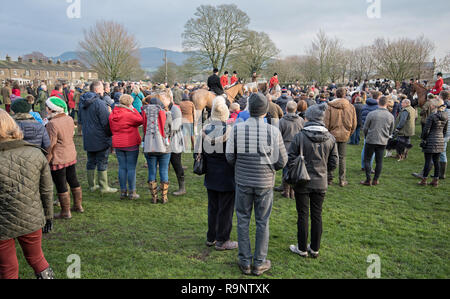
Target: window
82	75
73	75
48	74
27	73
89	75
57	74
15	73
66	74
2	72
38	73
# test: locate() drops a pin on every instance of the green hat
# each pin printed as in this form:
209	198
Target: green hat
56	104
21	106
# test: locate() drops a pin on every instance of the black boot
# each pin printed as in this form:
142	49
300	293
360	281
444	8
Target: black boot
182	188
443	170
46	274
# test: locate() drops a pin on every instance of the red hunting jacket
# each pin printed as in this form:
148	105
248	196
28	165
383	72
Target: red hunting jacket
438	87
224	81
273	82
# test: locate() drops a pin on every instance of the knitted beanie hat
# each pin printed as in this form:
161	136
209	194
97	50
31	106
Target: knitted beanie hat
258	105
57	105
316	113
21	106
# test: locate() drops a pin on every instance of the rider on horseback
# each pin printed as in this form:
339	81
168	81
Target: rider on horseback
214	84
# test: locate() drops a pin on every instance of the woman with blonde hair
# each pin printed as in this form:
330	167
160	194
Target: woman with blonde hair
138	97
26	201
124	122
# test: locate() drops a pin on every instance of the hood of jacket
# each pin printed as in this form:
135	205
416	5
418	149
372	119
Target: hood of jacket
291	117
442	115
339	103
316	132
371	102
87	99
119	112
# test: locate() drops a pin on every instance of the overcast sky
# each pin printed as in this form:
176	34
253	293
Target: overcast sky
44	26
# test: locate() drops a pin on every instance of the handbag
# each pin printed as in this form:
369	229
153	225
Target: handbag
199	164
297	172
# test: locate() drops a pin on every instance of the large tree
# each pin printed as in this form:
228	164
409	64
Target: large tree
401	58
254	56
328	53
215	33
111	50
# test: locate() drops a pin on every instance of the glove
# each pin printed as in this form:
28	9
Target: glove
48	227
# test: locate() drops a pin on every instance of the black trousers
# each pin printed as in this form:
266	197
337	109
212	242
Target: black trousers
175	160
220	215
342	151
63	176
303	201
368	153
431	159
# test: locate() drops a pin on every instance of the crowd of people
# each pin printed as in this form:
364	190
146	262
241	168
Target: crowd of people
242	145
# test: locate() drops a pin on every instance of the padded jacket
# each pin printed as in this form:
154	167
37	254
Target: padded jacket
26	189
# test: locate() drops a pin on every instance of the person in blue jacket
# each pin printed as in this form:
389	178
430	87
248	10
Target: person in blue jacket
93	115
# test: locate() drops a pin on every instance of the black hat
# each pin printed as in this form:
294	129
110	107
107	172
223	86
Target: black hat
439	74
216	70
21	106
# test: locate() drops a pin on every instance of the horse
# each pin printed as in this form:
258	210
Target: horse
203	98
261	87
421	91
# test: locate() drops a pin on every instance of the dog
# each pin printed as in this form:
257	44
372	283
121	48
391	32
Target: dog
402	149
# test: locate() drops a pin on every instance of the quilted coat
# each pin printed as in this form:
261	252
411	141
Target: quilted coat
434	132
26	189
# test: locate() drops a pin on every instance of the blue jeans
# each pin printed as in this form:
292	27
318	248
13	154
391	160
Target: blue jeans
127	168
153	161
98	159
262	200
443	157
362	157
354	139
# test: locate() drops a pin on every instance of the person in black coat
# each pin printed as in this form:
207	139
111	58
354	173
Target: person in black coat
214	84
433	143
219	179
321	156
354	139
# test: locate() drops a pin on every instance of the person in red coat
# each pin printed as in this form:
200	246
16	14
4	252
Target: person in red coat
224	79
58	92
274	81
234	78
71	102
438	86
124	122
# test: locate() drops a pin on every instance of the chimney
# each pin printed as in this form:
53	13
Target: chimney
19	59
50	61
74	63
8	58
41	60
31	60
58	61
66	63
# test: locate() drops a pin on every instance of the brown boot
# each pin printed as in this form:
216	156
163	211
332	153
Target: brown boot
79	130
164	190
64	199
292	193
153	186
423	182
77	194
435	182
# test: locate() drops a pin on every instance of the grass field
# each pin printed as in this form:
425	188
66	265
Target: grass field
407	226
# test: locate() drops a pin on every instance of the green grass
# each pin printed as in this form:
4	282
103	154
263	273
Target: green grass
406	225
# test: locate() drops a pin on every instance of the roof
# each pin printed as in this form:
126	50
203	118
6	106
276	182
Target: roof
45	66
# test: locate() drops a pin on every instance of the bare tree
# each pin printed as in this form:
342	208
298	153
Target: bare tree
160	75
402	58
328	54
443	64
362	63
254	55
110	50
215	33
